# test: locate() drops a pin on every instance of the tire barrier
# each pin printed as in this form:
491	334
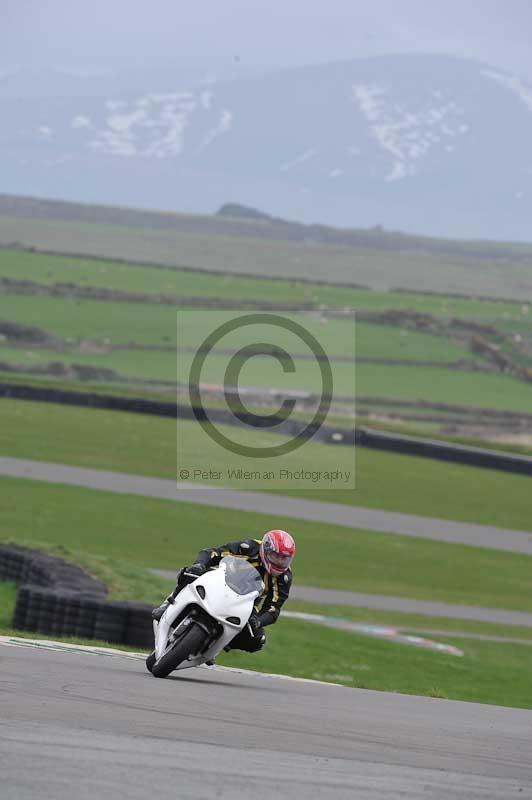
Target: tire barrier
363	437
138	630
26	566
55	598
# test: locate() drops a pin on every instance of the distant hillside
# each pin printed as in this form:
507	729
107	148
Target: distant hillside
270	248
237	211
420	143
234	219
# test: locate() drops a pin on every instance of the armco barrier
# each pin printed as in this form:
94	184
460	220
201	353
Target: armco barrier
444	451
55	598
363	437
111	402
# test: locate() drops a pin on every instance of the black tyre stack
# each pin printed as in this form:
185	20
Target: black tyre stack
110	622
20	615
71	612
46	613
55	598
138	631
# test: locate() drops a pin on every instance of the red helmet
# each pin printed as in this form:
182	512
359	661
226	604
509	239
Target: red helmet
277	550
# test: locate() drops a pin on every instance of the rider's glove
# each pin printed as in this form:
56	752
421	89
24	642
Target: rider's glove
191	573
255	626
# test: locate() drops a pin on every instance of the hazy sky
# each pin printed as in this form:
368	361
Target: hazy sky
256	34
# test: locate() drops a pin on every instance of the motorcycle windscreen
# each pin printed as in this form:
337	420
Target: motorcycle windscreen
241	577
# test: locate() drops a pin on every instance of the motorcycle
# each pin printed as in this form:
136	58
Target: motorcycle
204	617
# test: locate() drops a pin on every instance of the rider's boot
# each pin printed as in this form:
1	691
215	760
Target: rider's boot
159	611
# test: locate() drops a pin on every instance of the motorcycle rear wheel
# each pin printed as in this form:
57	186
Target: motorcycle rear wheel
190	643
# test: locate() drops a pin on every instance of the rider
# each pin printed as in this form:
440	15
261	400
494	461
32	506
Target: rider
271	556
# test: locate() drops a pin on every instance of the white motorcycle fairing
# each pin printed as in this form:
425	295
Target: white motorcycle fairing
213	593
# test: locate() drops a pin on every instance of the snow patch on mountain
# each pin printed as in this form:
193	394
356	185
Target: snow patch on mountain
223	126
404	134
300	159
514	84
152	125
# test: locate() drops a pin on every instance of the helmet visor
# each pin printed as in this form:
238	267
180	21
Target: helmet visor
279	560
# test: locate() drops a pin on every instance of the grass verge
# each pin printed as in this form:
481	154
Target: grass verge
144	445
412	623
167	534
8	591
488	672
125	581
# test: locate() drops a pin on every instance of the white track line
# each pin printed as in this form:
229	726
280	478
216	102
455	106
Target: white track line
82	649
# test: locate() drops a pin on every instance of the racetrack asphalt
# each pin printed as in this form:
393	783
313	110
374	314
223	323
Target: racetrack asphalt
298	508
94	726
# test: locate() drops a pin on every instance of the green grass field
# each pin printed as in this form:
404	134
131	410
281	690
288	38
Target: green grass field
116	537
74	320
414	623
147	445
107	335
428	384
165	534
421	425
127	581
48	269
380	269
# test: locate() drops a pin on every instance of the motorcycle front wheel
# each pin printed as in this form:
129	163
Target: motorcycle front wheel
189	644
150	661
